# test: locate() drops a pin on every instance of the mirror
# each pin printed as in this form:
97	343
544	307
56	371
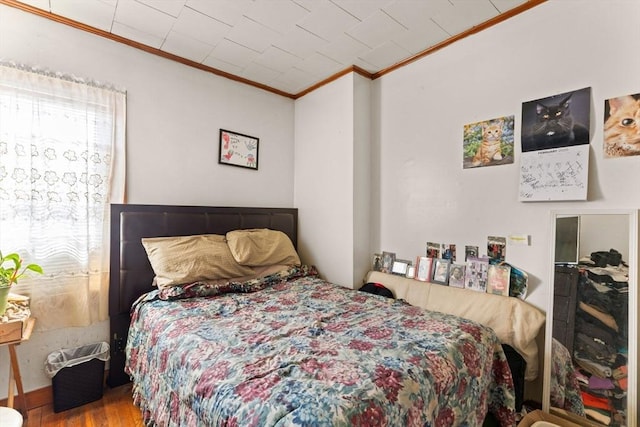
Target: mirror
591	354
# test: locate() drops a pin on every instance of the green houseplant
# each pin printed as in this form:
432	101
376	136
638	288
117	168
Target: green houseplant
10	271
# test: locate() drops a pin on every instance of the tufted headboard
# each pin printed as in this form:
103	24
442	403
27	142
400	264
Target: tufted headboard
131	274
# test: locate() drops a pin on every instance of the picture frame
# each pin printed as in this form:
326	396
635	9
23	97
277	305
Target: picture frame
441	271
400	267
496	247
433	250
411	272
498	279
470	251
237	149
475	274
376	262
387	261
423	268
456	275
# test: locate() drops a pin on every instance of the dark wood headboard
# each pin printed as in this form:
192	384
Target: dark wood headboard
131	274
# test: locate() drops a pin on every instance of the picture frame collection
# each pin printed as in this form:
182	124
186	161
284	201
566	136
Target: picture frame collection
488	273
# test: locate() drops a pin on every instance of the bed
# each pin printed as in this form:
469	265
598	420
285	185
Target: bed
287	348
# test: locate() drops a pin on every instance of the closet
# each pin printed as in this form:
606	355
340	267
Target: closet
591	352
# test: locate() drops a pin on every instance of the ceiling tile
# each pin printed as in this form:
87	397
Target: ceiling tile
376	29
417	39
284	21
186	47
96	13
311	5
40	4
214	62
320	66
362	9
200	27
328	22
385	55
228	11
414	14
367	66
277	59
234	53
344	49
137	35
286	44
252	35
465	14
506	5
295	80
299	42
260	73
143	18
172	7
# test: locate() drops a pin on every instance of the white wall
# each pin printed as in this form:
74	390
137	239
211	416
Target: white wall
419	191
333	179
362	175
323	194
422	192
174	114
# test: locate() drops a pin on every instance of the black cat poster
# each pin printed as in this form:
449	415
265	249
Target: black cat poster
555	147
556	121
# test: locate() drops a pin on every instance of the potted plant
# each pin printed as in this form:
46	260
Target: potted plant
10	271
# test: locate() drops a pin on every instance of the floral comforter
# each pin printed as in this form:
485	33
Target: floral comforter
294	350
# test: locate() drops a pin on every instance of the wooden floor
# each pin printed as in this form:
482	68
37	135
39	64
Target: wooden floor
115	409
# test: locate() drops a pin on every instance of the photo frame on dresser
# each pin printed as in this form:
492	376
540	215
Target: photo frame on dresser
400	267
423	268
456	275
441	271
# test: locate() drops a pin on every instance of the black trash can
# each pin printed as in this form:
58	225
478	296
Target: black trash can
77	375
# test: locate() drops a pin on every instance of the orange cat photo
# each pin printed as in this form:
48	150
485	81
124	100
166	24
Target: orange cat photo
488	143
622	126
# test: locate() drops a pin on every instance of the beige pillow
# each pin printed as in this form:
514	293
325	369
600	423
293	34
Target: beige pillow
187	259
260	247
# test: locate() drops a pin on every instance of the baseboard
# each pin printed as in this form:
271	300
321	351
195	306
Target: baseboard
39	397
35	398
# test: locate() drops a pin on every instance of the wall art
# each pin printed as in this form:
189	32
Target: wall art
237	149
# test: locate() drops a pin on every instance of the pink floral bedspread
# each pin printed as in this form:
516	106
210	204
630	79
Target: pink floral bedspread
298	351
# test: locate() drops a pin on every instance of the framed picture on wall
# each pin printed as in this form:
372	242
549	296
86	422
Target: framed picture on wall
237	149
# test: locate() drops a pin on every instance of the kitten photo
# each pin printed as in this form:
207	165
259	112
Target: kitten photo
557	121
488	143
622	126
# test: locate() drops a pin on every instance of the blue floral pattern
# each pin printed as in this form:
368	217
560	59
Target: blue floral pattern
294	350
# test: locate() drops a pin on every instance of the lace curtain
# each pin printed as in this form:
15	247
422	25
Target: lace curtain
62	154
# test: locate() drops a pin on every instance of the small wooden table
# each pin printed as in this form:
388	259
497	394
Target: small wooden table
14	368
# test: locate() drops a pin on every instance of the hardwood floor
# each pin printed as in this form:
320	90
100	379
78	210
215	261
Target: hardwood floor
115	409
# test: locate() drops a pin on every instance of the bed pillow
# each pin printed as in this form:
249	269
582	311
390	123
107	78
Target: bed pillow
187	259
261	247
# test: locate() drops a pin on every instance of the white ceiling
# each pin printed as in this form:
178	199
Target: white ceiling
288	45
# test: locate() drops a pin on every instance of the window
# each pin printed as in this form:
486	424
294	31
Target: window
61	164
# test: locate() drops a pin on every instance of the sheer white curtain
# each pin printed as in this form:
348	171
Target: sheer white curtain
62	161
